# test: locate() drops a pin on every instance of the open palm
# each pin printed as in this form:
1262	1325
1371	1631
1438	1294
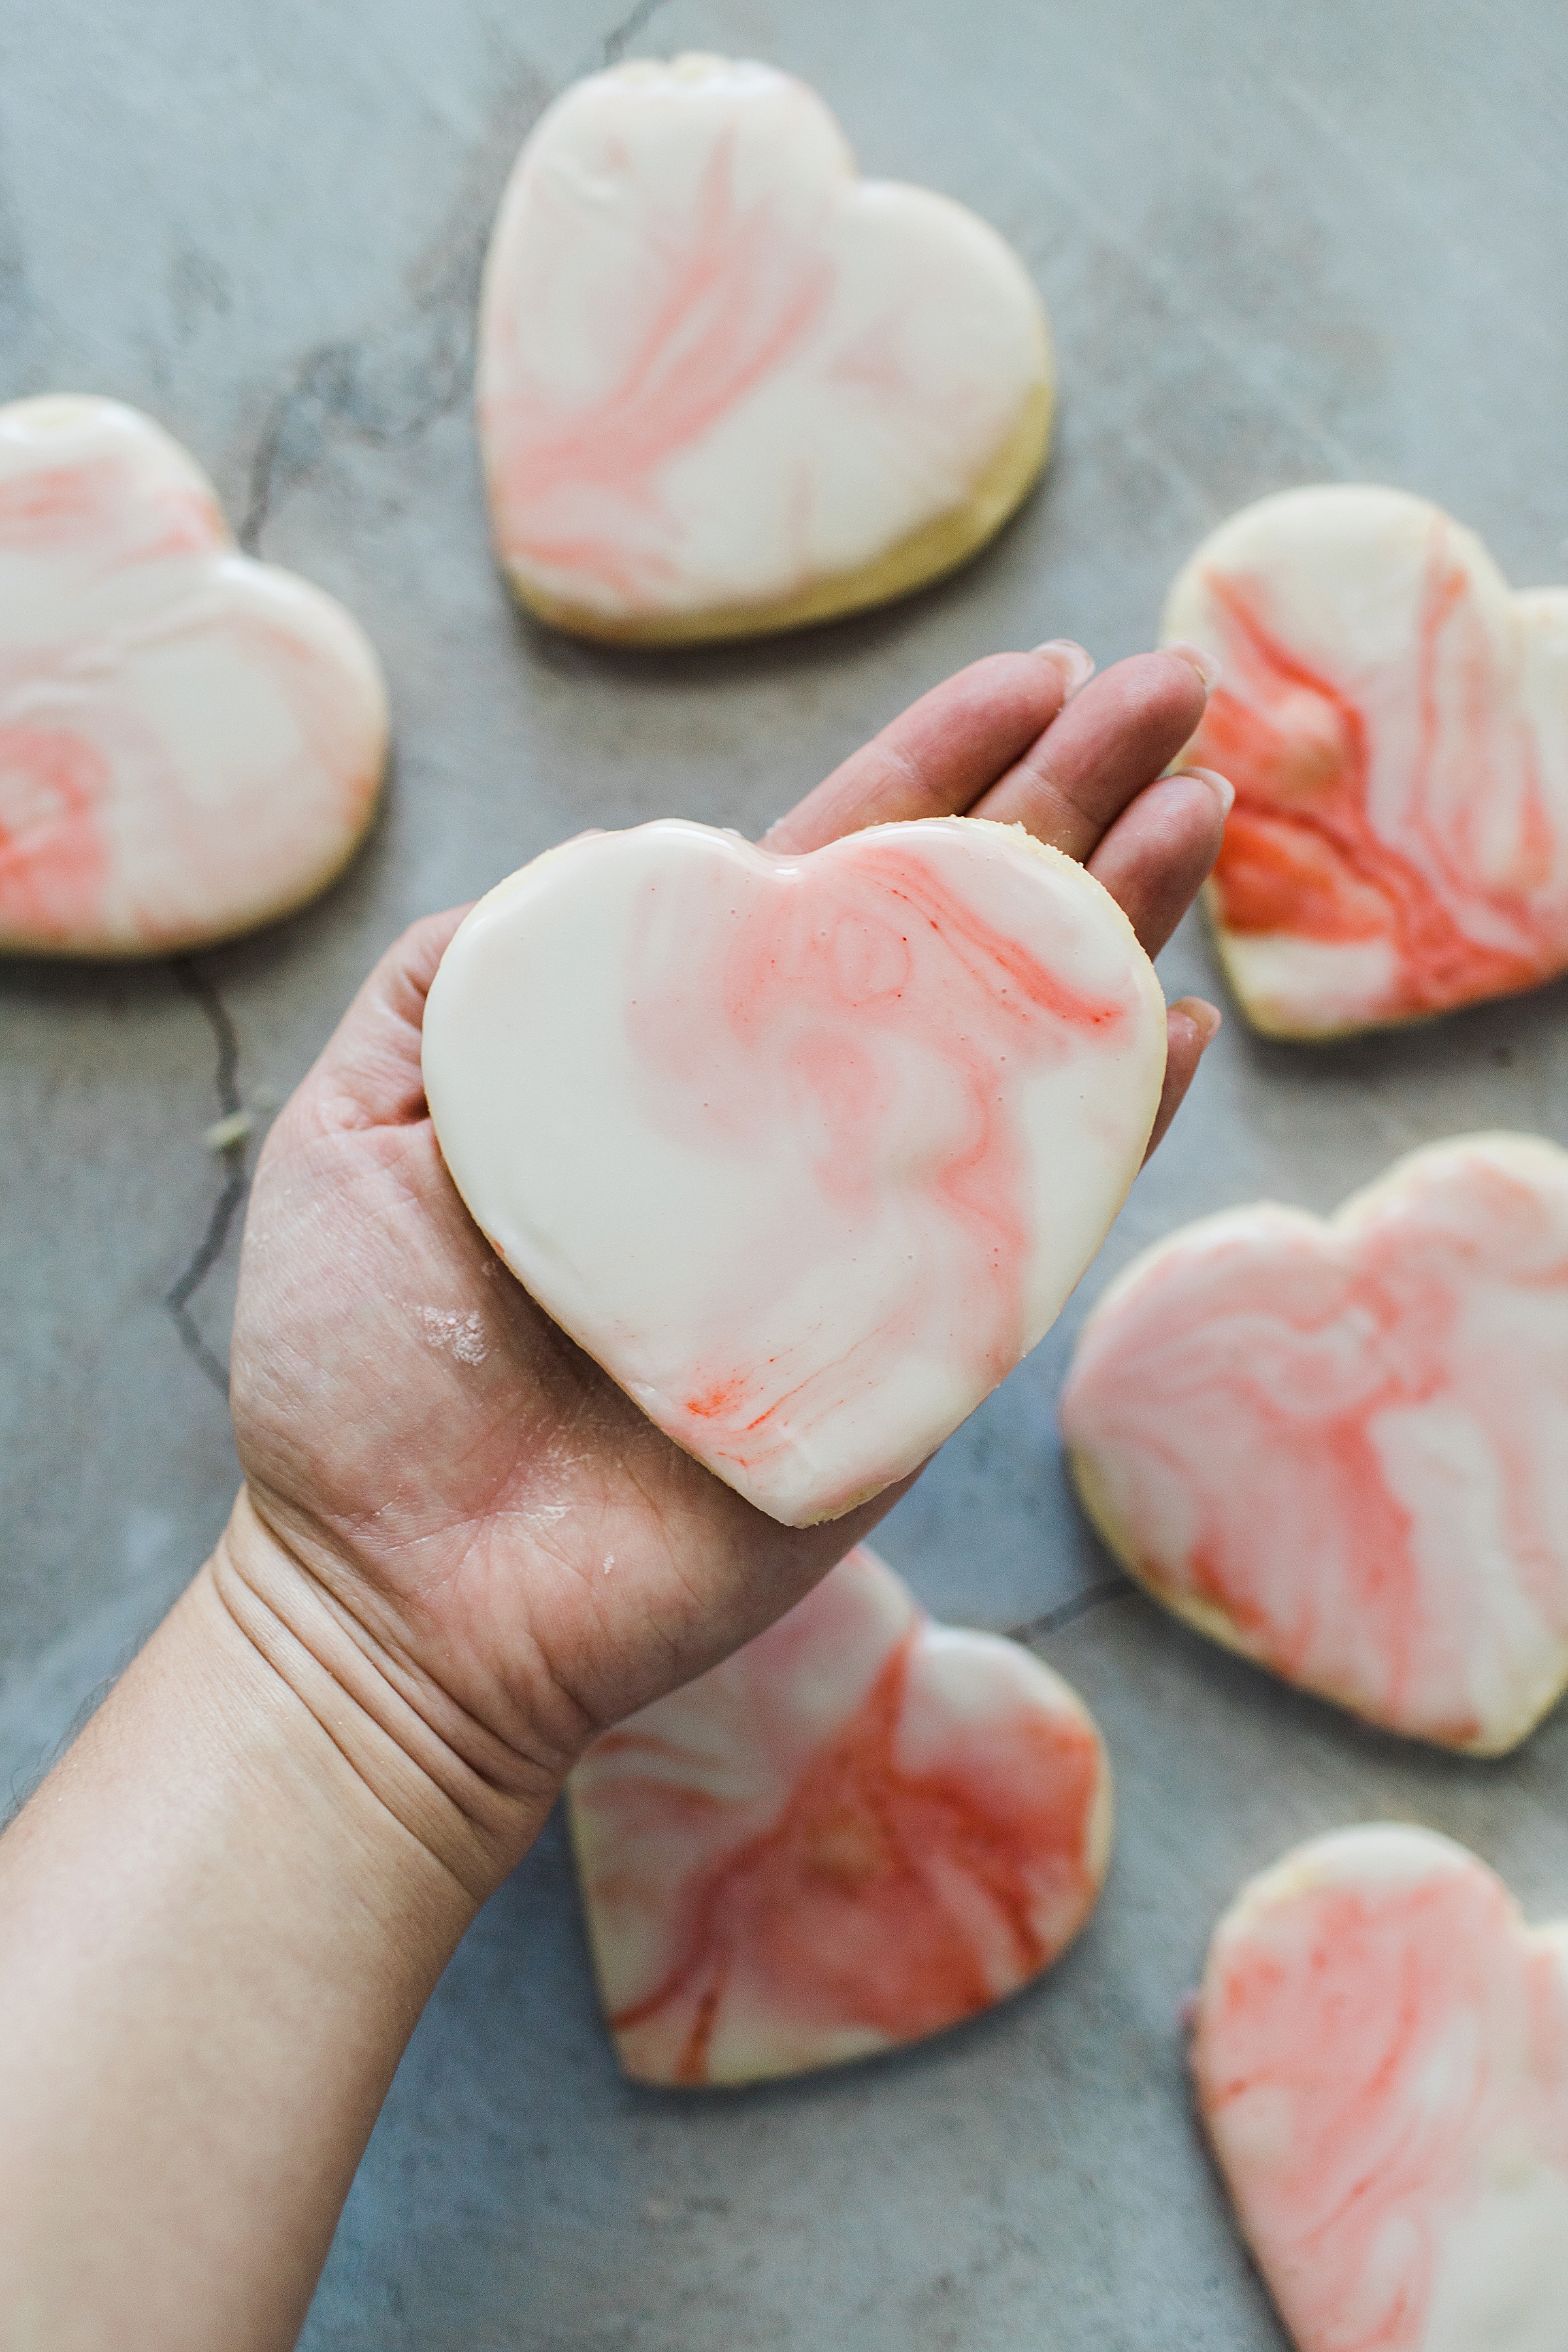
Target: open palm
524	1556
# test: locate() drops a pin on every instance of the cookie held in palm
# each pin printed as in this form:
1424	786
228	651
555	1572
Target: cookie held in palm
724	385
861	1828
191	743
1395	723
806	1150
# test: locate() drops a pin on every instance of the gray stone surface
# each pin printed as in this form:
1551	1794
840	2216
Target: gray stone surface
1280	243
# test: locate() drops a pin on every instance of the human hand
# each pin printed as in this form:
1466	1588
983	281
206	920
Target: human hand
449	1505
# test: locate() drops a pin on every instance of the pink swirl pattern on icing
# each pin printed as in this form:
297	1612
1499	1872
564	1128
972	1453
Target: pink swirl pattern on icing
1337	1446
807	1152
714	366
190	742
54	863
814	999
1381	2059
860	1830
578	490
1395	724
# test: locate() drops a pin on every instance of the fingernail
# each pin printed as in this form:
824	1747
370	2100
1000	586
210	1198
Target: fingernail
1205	1017
1221	786
1076	665
1205	665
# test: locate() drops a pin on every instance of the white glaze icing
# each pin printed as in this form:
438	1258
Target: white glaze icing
190	742
1395	724
1381	2055
715	367
807	1151
860	1829
1337	1446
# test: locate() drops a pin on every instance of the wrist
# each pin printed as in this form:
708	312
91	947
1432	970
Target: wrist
220	1916
428	1785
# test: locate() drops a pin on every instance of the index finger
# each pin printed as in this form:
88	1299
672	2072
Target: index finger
368	1072
941	754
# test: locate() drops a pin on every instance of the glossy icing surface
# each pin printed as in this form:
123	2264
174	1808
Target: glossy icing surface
807	1151
860	1829
724	383
1338	1446
1381	2058
190	742
1395	724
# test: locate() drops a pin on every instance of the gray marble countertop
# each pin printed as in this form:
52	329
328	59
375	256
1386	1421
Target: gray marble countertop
1280	243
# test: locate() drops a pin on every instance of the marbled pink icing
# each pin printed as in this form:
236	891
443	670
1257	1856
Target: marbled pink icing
1395	724
807	1151
189	742
54	860
714	366
815	996
1381	2057
859	1830
1340	1445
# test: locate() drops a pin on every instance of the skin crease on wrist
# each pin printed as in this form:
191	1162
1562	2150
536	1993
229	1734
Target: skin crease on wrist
449	1568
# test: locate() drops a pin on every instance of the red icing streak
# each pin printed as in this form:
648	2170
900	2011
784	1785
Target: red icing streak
733	294
717	1401
1266	1409
853	991
1341	1458
1365	2056
1352	826
53	862
856	1907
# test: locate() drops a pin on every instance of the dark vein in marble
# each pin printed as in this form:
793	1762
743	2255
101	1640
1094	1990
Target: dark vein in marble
384	389
204	993
336	390
387	387
1068	1612
618	40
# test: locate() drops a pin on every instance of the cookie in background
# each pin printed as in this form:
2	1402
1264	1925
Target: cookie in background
1336	1445
1395	722
1380	2053
859	1830
725	385
191	743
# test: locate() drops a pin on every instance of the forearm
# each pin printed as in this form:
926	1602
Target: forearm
220	1917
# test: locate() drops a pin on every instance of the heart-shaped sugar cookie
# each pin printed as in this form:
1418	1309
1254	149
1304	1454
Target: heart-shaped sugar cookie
1381	2057
1339	1447
190	743
807	1151
1395	724
860	1829
724	385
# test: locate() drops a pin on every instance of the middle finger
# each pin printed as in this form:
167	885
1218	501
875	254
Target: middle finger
1112	738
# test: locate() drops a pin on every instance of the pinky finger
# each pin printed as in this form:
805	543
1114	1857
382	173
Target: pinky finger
1191	1024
